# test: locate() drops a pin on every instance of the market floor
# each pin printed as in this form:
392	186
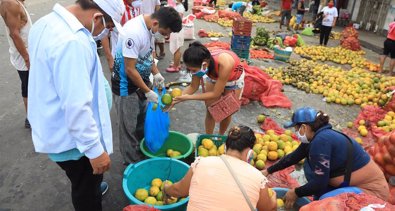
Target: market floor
29	181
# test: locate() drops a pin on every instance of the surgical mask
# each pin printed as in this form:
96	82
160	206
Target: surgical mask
303	138
102	34
330	5
201	72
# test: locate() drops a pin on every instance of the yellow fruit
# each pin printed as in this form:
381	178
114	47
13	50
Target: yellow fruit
260	164
141	194
361	122
159	203
262	157
159	197
154	190
166	182
212	152
281	144
359	140
349	124
287	149
271	192
280	153
272	146
150	200
156	182
203	152
176	92
175	154
270	132
288	132
295	143
167	99
264	151
258	135
280	203
272	155
274	138
207	143
266	138
221	149
363	132
260	118
169	152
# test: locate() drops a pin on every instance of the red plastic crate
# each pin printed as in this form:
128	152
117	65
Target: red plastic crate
241	23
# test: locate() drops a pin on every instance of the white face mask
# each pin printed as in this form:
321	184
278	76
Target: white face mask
303	138
103	33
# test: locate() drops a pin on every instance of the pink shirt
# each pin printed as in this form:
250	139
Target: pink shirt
214	189
391	31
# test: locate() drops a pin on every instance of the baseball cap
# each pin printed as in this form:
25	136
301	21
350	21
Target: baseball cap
302	115
115	9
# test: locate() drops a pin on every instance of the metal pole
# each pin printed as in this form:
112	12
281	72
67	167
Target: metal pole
352	9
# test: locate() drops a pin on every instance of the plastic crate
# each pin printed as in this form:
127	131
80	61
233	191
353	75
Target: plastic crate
217	139
242	32
244	54
240	42
241	23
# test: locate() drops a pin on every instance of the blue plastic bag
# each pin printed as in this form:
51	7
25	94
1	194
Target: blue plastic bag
157	124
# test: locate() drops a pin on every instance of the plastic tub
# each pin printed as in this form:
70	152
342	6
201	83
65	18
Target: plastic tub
300	202
141	174
176	141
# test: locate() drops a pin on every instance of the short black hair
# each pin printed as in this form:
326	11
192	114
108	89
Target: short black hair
240	138
90	4
230	5
168	18
196	54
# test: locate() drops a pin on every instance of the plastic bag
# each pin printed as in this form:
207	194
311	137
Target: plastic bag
157	125
189	27
308	32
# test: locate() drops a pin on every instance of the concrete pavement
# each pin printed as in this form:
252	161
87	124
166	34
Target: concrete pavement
29	181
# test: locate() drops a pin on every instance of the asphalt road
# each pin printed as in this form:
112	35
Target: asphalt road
30	181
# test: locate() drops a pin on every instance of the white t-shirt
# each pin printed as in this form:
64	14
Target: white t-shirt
180	9
148	6
136	42
329	15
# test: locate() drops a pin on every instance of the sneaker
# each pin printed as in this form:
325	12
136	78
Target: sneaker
27	124
103	188
160	57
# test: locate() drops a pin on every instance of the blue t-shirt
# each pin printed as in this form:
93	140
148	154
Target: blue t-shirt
326	154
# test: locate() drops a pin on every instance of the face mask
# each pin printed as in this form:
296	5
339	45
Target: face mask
250	156
303	138
102	34
330	5
201	72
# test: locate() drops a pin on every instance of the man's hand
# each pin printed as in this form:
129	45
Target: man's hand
159	81
101	164
151	96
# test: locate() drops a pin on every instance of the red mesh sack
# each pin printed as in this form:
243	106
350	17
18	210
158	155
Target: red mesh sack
349	32
391	198
217	45
368	141
283	179
211	18
347	202
258	85
139	208
351	43
270	124
228	14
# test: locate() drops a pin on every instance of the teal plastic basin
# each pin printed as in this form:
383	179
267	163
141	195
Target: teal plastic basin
141	174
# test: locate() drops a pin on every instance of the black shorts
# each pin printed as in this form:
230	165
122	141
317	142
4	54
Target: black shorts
24	76
389	48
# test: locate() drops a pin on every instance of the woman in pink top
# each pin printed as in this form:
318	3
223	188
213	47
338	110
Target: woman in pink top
211	186
389	48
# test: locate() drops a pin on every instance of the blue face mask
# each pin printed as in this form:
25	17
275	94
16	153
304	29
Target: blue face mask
201	72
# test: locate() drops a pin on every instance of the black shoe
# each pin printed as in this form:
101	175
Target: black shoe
103	188
27	123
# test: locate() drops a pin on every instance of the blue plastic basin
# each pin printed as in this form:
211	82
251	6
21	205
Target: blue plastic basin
141	174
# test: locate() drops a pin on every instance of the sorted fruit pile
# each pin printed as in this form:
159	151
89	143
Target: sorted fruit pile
211	18
154	196
355	86
388	123
260	54
338	55
225	22
172	153
215	34
258	18
261	37
271	146
208	148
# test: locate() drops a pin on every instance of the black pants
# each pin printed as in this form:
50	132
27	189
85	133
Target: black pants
85	186
324	34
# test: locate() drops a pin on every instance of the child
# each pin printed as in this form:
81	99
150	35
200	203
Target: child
176	41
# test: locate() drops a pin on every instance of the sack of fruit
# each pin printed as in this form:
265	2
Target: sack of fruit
351	43
349	32
157	122
139	208
349	201
383	153
228	14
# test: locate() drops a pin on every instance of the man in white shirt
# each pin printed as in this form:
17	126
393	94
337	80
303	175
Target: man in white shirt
131	85
18	23
68	107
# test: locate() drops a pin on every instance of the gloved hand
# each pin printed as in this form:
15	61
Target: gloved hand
151	96
159	81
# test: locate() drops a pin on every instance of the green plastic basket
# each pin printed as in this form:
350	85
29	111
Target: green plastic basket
176	141
217	139
282	55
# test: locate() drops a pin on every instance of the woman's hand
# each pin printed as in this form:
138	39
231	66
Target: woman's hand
265	172
176	100
290	198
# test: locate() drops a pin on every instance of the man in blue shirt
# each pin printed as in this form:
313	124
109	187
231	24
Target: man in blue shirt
239	7
68	108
